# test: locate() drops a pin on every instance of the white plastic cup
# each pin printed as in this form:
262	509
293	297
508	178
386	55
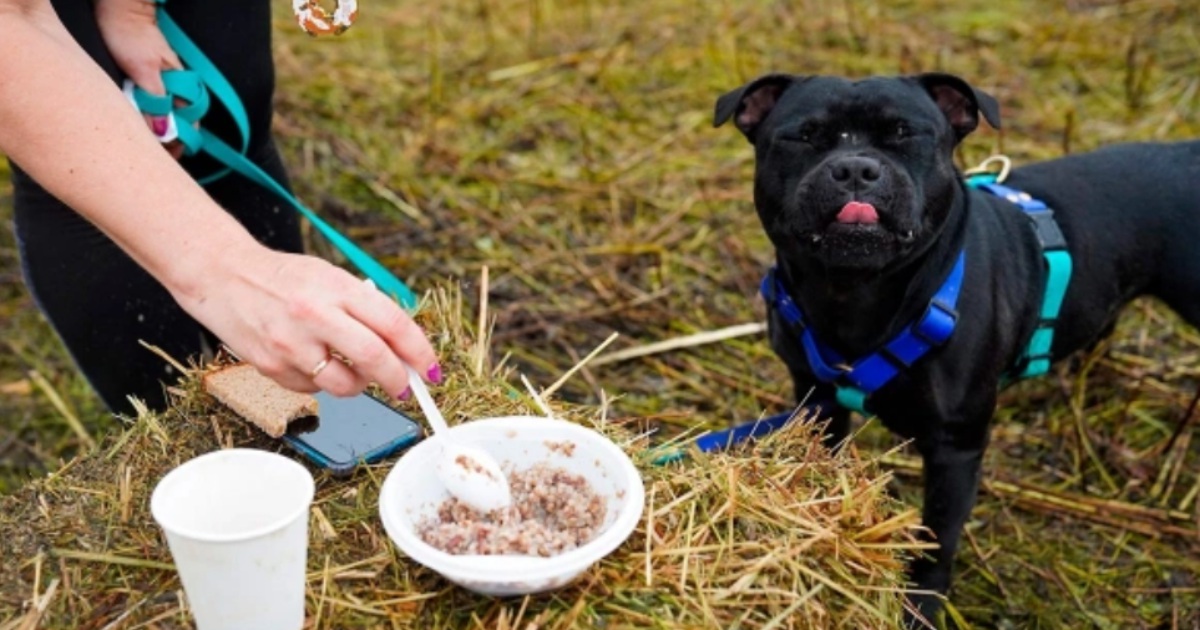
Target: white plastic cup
237	525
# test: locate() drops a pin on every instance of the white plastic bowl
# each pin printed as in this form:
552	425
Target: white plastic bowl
412	492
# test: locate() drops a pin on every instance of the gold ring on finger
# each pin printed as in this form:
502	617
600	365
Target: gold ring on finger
319	366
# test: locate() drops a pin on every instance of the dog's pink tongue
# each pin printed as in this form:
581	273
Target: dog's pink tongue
858	212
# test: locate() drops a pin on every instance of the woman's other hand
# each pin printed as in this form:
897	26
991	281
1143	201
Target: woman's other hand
130	32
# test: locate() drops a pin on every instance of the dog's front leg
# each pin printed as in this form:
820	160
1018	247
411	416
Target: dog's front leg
821	400
837	428
952	468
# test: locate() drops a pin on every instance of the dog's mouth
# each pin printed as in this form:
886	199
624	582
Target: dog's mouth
857	213
860	220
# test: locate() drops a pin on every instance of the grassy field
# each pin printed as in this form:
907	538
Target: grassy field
567	146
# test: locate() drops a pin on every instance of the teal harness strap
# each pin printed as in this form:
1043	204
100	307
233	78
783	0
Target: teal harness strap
1035	361
187	100
1058	270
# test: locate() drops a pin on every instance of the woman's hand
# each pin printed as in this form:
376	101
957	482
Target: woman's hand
130	32
310	325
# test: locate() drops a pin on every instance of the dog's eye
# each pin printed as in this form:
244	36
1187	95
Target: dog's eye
901	131
807	132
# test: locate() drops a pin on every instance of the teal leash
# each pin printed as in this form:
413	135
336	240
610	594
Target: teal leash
192	88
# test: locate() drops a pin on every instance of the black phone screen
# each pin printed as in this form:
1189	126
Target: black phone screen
349	430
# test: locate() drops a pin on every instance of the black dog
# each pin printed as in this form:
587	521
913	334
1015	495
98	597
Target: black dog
856	187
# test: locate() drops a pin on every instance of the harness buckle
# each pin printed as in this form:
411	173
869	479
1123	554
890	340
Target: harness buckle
1048	233
893	358
936	324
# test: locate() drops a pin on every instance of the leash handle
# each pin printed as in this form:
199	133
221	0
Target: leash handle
210	77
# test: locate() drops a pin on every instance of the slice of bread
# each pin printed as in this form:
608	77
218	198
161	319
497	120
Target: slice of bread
257	398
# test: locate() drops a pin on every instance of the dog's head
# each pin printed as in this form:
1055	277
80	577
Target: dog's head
855	175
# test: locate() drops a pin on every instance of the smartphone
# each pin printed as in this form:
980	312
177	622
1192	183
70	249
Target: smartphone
347	432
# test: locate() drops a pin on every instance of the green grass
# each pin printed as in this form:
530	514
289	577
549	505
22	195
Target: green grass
567	146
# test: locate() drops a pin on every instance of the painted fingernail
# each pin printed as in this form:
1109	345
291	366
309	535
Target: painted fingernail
435	374
159	125
404	395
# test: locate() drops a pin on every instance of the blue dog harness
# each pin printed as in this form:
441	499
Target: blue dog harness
185	103
856	381
860	379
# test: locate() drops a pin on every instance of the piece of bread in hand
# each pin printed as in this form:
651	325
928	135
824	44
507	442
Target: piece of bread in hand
257	398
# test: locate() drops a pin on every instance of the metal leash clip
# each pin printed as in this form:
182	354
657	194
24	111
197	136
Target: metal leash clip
985	168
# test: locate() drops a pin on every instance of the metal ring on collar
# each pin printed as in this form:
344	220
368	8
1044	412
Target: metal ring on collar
984	167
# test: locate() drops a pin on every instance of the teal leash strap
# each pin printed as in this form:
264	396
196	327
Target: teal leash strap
192	87
204	75
384	279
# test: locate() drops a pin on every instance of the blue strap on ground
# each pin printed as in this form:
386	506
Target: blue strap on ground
187	100
1036	359
858	380
721	440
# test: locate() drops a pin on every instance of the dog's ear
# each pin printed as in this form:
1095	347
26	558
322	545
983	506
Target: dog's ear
750	104
960	102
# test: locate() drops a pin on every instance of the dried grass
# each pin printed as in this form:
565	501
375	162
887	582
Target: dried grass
565	145
780	535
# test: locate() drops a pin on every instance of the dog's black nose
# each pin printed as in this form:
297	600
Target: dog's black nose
857	172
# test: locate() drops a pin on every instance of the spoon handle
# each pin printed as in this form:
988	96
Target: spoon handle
432	414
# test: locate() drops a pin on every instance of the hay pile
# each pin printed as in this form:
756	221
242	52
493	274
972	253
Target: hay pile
568	146
781	535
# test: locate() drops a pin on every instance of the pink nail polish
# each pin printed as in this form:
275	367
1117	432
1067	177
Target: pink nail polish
435	374
159	125
404	395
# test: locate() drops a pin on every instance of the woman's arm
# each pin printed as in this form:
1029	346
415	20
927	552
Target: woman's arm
69	127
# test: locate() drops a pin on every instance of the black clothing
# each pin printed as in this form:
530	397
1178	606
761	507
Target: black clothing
98	299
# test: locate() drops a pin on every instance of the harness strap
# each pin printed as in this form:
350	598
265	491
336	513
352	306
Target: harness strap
187	99
855	382
1035	361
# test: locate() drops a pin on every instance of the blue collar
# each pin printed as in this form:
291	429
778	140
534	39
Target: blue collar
855	381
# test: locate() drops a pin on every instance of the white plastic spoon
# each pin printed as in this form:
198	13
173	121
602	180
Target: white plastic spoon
469	473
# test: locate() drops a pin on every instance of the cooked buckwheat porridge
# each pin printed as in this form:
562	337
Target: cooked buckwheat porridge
553	511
